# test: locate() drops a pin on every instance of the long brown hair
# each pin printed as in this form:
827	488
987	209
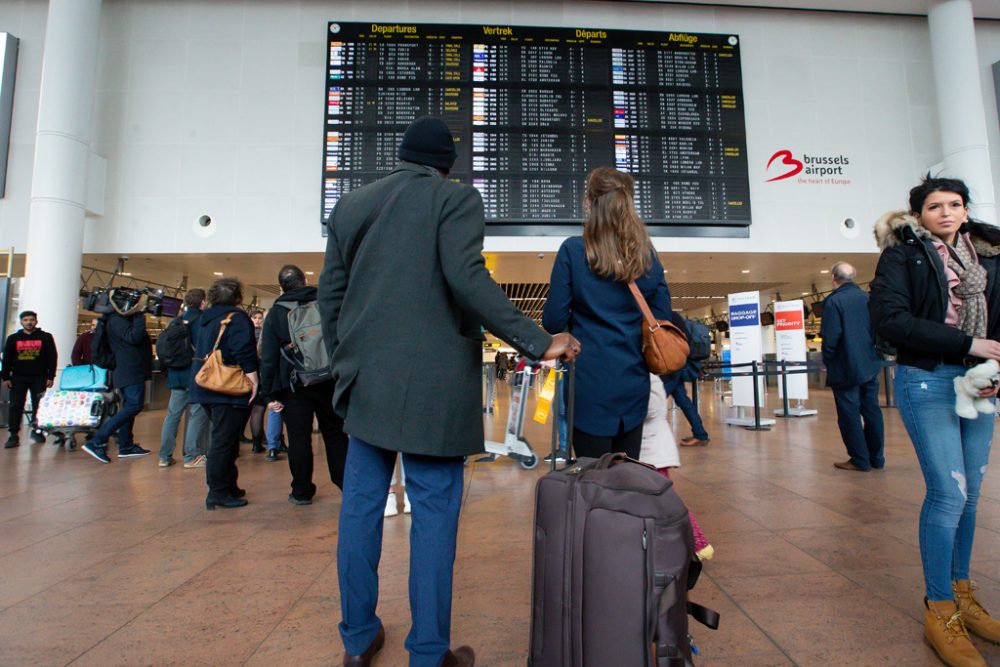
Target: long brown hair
615	239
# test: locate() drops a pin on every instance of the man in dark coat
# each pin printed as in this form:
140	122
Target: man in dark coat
125	328
404	271
29	365
852	368
299	404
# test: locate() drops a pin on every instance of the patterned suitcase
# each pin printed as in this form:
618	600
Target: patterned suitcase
70	409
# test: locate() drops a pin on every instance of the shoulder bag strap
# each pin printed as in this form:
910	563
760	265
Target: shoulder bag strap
369	221
222	330
643	306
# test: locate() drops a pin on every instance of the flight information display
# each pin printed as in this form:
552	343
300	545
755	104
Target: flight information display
533	110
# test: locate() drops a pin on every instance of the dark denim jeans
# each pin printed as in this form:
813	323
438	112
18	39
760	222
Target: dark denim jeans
434	486
676	388
953	453
120	424
865	443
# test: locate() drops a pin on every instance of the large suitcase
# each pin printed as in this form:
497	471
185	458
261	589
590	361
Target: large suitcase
70	409
613	545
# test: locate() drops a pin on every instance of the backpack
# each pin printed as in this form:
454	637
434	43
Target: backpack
100	346
307	350
699	340
174	347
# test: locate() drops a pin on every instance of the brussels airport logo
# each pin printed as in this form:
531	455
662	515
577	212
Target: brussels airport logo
809	170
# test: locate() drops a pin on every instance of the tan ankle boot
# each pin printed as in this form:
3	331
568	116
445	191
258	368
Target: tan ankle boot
976	619
944	632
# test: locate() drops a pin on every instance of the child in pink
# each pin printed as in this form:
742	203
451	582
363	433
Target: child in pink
659	449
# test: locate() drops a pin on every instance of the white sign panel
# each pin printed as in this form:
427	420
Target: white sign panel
790	334
745	344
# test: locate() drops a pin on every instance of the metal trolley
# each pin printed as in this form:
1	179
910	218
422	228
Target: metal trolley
514	443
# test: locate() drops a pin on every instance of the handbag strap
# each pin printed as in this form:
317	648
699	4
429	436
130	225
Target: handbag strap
643	306
222	330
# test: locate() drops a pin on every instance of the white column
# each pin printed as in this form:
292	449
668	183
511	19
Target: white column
961	112
59	177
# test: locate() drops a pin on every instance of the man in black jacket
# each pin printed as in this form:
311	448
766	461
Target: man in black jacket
133	352
297	403
29	364
852	369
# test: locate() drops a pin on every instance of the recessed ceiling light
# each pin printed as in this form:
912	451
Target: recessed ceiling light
745	271
217	273
125	273
310	273
824	271
805	294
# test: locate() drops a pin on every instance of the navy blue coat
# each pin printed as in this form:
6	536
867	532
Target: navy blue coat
132	349
848	342
612	380
238	346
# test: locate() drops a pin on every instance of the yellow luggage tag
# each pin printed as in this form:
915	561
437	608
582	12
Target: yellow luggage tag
545	398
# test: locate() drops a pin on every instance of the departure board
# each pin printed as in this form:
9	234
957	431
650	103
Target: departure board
533	110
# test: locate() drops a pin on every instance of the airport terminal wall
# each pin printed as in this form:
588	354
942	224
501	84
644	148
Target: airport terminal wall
216	109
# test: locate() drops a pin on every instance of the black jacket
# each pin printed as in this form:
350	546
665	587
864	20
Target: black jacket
848	342
237	345
275	371
29	355
909	294
132	349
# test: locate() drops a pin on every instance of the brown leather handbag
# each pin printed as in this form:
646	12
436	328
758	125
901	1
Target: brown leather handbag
664	346
220	377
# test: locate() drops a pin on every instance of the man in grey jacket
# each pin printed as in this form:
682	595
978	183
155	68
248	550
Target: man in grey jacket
404	271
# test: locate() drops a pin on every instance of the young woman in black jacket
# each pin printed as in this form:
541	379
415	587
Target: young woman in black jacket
935	298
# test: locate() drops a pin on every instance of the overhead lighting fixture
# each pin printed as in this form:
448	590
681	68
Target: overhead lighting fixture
805	294
217	273
824	271
126	273
310	273
745	271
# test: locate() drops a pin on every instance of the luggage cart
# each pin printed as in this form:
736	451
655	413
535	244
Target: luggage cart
514	443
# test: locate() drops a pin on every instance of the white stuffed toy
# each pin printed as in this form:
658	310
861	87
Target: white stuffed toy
967	401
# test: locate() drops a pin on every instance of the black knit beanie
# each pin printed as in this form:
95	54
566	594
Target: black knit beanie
428	141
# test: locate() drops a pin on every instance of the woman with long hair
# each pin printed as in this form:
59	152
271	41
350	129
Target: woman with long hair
936	297
589	296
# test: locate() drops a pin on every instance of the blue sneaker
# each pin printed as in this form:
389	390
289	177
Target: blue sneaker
99	452
131	452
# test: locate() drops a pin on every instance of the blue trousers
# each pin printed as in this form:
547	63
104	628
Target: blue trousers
120	424
434	486
953	453
675	387
272	429
865	443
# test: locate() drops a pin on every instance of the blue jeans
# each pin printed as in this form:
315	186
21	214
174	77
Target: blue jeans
865	443
953	454
272	429
675	388
120	424
434	486
195	433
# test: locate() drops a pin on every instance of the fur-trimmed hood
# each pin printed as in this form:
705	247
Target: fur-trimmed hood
892	228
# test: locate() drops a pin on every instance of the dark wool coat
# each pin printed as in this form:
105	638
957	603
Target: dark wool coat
909	294
403	310
848	342
238	347
132	349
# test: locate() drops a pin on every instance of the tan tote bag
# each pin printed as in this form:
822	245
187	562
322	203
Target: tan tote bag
219	377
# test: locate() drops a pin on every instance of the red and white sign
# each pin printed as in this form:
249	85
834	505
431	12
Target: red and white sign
790	335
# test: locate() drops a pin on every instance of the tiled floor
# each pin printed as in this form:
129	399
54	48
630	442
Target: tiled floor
121	565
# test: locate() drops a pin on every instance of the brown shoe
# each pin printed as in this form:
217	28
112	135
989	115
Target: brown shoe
848	465
368	657
976	619
693	442
463	656
945	633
